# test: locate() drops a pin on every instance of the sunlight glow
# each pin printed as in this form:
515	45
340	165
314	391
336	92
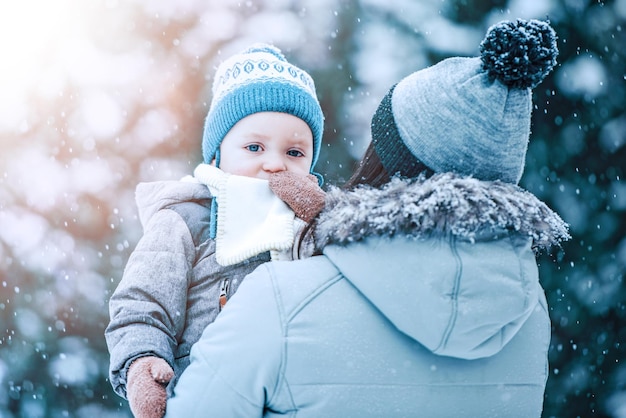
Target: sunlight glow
30	34
33	34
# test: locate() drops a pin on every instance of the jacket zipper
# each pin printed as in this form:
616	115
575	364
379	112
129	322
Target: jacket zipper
224	293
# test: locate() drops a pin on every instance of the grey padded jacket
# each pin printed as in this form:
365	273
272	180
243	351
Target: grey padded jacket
171	285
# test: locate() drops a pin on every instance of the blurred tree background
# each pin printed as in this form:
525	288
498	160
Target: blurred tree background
98	95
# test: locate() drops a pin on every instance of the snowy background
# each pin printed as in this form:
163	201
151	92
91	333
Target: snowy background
97	95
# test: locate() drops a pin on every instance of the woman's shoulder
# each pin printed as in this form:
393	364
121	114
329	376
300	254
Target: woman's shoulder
295	283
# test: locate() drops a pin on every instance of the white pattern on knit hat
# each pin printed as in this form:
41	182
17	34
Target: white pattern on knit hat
261	64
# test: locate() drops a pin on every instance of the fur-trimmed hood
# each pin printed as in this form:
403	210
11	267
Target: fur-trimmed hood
442	205
448	260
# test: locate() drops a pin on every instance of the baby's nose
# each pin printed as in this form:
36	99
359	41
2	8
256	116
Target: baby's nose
274	164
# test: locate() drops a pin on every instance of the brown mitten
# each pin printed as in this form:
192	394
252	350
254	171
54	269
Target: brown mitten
145	389
303	194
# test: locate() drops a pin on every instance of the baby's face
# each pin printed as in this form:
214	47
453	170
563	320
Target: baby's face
265	143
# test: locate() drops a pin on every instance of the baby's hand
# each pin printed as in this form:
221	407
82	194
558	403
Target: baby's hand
147	378
303	194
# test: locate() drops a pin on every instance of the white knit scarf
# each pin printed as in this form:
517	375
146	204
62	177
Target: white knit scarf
251	219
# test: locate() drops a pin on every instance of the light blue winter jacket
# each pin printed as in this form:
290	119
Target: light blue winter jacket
425	303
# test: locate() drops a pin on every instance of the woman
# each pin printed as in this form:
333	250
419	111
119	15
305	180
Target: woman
425	299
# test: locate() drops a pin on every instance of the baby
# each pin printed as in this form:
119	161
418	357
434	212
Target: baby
263	132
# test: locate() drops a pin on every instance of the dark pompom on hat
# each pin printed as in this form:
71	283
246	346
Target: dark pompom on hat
469	116
519	54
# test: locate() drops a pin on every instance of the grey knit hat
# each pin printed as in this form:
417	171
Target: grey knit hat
470	116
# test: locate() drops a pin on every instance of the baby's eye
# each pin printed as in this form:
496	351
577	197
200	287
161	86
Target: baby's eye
295	153
253	147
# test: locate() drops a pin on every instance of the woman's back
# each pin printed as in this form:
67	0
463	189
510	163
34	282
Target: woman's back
344	357
393	326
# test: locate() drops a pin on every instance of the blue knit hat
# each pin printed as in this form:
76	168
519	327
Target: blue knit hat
469	116
259	79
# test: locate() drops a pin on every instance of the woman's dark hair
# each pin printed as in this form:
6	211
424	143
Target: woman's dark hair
370	171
